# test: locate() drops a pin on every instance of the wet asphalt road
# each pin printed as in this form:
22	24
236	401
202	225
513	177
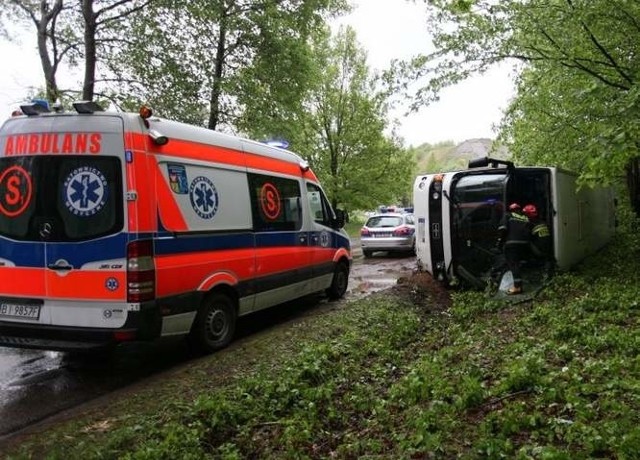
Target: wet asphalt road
35	385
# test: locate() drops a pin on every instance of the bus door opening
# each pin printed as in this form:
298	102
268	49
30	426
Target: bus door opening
532	186
478	206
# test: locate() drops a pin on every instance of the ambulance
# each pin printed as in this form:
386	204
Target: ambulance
118	227
458	213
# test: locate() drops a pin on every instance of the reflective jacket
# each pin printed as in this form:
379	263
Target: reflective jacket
540	239
515	228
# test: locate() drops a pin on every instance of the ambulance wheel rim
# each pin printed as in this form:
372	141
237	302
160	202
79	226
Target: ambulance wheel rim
217	324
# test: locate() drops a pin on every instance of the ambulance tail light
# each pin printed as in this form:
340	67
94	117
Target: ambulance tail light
141	272
124	336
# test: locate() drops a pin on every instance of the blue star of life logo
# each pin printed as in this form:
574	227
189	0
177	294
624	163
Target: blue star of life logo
204	197
85	191
111	284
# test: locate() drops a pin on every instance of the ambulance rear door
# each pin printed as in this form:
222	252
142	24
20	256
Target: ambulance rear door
71	219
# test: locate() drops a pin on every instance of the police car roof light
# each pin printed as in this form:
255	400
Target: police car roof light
34	108
87	107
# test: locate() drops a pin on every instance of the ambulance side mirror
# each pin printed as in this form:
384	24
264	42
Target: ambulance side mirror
341	218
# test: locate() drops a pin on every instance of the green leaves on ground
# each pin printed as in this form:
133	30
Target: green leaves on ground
397	376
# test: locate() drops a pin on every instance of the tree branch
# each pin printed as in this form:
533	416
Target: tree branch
122	15
601	48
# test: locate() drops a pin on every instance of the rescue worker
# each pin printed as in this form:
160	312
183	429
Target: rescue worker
514	232
541	245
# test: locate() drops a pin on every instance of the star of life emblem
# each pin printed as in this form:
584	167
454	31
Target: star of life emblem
204	197
85	191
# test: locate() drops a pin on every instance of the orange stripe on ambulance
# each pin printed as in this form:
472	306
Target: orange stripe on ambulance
123	226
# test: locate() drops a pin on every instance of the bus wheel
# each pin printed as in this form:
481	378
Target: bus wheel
340	281
215	324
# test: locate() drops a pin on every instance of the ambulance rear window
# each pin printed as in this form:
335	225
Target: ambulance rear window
60	198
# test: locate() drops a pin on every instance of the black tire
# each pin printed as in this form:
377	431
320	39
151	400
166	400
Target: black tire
215	324
340	282
367	253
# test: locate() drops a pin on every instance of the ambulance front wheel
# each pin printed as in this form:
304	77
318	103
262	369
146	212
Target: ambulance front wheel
215	323
340	281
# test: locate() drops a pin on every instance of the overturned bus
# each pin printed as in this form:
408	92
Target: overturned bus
457	215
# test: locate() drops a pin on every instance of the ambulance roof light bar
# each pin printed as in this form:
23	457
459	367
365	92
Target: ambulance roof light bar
35	108
87	107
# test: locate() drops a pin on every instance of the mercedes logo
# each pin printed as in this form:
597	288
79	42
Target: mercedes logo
45	230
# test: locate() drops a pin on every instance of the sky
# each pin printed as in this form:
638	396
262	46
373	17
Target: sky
387	29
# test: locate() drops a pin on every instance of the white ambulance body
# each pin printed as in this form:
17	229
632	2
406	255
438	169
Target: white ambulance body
120	226
457	215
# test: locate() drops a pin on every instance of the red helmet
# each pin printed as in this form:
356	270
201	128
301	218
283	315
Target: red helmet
514	207
530	210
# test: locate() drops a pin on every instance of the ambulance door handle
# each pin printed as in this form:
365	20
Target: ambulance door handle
59	267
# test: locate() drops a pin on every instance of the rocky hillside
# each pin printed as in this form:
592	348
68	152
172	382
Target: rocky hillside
448	156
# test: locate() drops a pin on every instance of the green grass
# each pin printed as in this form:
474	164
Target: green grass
396	375
353	227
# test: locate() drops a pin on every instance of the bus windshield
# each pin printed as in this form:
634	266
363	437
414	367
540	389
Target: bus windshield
477	210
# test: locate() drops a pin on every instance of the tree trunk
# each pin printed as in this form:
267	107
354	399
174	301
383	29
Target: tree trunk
216	91
48	68
90	28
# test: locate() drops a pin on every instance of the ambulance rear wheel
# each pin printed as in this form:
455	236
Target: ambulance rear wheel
215	324
340	281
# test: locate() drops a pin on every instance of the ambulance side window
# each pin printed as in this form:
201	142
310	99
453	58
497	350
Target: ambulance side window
275	203
320	210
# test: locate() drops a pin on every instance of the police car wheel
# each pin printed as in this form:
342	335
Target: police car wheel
215	324
367	253
340	281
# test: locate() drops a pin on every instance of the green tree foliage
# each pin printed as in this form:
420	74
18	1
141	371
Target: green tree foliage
343	130
208	62
71	33
576	104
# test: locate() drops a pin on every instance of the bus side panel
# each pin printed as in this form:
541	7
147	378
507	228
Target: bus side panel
568	239
584	220
603	216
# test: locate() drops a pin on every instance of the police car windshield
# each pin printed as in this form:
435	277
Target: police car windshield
60	198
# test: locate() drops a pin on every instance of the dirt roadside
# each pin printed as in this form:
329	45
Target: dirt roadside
238	358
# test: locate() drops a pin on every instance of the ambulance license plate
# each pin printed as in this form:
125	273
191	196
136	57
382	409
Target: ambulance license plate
9	309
